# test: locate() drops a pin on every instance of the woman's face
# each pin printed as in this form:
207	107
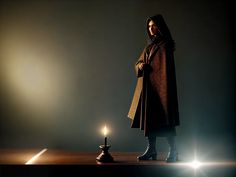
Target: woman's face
152	27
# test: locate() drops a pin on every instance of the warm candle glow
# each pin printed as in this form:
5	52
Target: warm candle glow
105	130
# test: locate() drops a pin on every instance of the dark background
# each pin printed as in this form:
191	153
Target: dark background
67	69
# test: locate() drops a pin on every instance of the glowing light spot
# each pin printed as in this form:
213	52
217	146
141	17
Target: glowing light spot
34	158
195	164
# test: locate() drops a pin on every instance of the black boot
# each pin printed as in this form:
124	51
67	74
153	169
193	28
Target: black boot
150	152
173	154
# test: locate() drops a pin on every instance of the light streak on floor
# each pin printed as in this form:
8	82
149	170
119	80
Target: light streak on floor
34	158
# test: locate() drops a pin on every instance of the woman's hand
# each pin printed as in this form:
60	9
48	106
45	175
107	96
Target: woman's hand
143	66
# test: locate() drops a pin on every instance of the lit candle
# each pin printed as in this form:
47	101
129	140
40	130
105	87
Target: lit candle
105	131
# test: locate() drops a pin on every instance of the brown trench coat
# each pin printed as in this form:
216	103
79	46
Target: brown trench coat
155	102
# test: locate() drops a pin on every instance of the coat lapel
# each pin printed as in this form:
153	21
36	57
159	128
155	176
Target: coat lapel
152	52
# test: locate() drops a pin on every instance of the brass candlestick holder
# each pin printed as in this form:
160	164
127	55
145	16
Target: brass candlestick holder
105	156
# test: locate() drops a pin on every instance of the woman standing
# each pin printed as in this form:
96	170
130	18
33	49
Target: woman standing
154	108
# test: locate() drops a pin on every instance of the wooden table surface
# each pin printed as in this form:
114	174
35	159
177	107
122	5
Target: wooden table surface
68	163
68	157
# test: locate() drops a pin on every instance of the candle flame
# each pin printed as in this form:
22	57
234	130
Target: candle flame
105	130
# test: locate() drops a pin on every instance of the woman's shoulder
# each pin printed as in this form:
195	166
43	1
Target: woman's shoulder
170	44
